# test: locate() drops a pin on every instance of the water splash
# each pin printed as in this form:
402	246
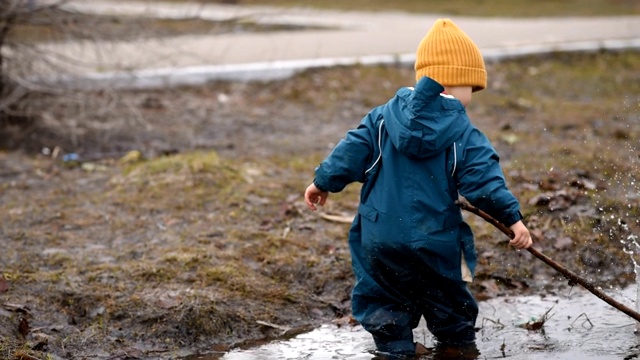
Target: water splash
631	247
635	269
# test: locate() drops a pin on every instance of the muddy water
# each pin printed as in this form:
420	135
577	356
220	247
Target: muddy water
579	326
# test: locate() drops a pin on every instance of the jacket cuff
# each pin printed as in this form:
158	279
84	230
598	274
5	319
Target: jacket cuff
321	188
512	219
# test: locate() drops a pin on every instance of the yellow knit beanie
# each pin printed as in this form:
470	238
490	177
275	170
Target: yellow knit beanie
447	55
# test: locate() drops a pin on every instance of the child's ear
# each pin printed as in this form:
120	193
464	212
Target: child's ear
462	93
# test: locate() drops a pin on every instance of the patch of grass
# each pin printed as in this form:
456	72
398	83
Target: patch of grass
9	347
196	173
150	273
196	162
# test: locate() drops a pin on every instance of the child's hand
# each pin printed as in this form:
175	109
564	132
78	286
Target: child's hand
313	196
522	238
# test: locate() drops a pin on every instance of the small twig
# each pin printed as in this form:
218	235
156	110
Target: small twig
586	320
275	326
501	326
345	219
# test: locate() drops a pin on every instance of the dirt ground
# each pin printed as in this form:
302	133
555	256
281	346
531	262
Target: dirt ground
158	224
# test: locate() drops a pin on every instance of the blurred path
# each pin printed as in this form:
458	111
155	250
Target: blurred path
345	38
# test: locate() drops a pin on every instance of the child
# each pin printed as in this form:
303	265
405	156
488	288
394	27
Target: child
412	253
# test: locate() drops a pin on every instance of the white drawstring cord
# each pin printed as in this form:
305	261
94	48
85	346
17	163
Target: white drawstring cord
455	159
455	152
379	147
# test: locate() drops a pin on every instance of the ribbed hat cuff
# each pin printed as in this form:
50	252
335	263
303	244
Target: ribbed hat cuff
455	76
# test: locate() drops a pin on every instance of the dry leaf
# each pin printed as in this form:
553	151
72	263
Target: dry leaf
23	327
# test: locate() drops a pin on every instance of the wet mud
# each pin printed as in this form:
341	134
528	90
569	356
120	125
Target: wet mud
161	224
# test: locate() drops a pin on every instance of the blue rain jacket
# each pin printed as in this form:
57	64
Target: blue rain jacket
414	155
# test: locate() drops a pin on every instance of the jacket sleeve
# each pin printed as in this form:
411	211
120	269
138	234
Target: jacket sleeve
348	160
482	182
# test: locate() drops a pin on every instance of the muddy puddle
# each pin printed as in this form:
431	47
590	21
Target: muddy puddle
578	325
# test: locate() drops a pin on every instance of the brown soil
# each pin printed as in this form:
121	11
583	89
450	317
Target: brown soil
201	242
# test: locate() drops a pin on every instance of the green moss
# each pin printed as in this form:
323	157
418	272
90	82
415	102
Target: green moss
196	162
154	273
197	179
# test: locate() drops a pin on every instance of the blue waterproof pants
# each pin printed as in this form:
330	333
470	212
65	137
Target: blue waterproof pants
395	288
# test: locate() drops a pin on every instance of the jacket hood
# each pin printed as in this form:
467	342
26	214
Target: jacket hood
421	122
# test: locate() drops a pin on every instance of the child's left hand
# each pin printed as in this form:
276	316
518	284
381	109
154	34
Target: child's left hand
313	196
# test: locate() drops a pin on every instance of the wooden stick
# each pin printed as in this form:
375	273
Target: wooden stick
571	276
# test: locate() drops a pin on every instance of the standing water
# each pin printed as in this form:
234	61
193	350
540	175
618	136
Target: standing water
578	325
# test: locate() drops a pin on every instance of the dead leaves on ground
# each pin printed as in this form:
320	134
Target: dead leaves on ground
560	194
23	313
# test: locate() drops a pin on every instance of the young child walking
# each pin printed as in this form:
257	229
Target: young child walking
412	253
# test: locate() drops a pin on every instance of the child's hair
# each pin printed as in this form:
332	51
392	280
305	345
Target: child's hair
447	55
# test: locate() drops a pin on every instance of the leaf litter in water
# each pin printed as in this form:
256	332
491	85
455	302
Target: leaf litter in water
537	325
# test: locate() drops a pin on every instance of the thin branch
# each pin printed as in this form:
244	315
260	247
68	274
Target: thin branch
571	276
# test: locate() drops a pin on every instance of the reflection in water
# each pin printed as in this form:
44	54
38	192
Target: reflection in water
578	326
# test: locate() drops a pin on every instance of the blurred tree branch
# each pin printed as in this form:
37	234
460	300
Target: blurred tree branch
18	18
